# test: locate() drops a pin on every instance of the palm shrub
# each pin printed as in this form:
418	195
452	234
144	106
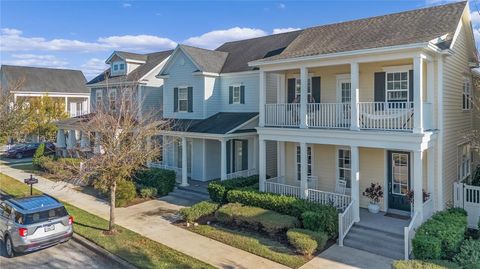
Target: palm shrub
40	152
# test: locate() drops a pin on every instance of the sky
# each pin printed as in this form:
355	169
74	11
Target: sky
83	34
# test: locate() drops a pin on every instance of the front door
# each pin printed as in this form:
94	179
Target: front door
398	180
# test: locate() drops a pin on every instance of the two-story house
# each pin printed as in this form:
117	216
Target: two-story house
378	100
211	98
130	76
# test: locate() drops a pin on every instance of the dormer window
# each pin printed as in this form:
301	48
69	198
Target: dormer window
115	67
121	66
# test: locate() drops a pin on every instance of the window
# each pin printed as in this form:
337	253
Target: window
465	161
115	67
346	88
466	104
112	99
121	66
298	86
344	166
182	99
397	87
99	96
236	94
299	164
400	170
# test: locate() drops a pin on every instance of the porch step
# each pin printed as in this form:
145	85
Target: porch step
375	241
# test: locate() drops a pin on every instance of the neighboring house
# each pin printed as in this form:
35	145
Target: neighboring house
129	74
378	100
64	84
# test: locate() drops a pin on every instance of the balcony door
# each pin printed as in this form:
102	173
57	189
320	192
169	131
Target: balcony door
344	89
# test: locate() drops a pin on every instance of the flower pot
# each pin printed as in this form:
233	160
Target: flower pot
373	208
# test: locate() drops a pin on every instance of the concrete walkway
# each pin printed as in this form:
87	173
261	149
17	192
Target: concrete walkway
152	219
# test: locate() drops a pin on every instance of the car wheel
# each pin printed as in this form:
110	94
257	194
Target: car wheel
9	247
18	155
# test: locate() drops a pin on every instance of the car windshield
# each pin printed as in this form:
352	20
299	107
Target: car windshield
41	216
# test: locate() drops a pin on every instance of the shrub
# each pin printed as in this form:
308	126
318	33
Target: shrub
125	193
256	218
40	152
325	220
202	209
147	192
160	179
301	240
218	190
427	247
469	255
416	264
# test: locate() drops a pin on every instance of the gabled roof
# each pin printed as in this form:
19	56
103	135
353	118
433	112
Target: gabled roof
127	55
409	27
152	60
243	51
220	123
39	79
206	60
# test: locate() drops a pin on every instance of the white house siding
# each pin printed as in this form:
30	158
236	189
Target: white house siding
181	76
251	83
211	99
152	100
271	89
197	159
455	119
271	154
212	161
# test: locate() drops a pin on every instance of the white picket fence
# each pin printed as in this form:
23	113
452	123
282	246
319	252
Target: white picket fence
468	198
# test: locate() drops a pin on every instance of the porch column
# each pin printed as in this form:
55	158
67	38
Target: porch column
84	141
261	98
61	143
303	170
354	92
303	96
418	182
255	152
184	163
430	81
355	180
72	140
417	94
223	162
262	164
431	172
280	158
66	104
98	146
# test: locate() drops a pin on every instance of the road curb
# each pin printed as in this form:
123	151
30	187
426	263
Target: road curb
101	251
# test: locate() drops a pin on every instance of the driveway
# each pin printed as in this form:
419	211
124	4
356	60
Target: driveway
67	255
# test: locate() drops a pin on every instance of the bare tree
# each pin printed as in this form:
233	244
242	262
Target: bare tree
13	112
121	135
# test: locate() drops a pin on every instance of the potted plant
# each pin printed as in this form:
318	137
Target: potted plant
374	193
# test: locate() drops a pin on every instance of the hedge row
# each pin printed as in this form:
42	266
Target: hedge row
305	241
160	179
441	236
256	218
431	264
218	190
198	210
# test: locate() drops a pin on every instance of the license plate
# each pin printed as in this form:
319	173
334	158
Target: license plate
49	228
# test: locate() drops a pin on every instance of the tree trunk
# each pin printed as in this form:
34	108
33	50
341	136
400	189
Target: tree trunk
111	226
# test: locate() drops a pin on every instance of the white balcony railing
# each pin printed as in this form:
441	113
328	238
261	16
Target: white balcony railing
393	116
328	115
77	113
243	173
282	115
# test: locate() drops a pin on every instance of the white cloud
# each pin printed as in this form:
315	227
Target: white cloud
282	6
93	67
437	2
36	60
13	40
138	42
126	5
213	39
475	18
284	30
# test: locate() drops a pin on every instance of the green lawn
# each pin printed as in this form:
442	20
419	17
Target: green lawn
135	248
253	243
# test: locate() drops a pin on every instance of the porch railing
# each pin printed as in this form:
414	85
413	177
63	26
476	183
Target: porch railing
287	115
337	200
328	115
393	116
279	186
345	222
409	233
243	173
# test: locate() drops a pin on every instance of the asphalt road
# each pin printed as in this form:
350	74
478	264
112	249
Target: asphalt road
67	255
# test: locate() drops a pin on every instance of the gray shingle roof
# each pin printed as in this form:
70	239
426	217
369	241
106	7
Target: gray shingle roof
37	79
243	51
152	60
220	123
207	60
131	55
409	27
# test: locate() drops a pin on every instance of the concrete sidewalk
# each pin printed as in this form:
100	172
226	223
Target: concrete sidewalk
152	219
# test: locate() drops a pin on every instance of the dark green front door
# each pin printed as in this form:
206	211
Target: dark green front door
398	180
